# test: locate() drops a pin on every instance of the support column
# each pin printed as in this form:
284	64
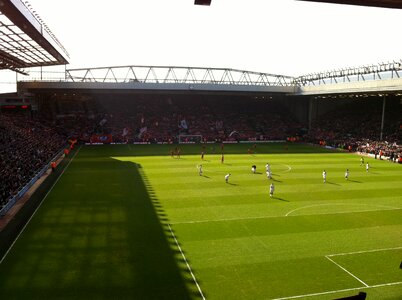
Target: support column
311	112
383	116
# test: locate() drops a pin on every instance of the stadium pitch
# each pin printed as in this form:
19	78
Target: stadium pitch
133	222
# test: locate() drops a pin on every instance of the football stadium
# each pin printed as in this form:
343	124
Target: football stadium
174	182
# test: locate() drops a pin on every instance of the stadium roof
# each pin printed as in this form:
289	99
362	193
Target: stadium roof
25	40
377	3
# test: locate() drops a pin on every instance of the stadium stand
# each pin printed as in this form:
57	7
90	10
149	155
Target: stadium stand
356	126
162	118
28	144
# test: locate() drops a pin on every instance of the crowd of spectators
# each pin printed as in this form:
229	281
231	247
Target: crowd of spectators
381	149
163	119
27	145
157	118
356	126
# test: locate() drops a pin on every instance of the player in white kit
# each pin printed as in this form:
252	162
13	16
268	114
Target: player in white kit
271	190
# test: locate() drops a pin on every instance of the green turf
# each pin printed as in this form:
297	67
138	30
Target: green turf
110	227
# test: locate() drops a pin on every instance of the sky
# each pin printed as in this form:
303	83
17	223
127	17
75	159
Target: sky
284	37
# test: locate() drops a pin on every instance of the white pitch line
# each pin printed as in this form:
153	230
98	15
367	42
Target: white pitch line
29	220
223	220
366	251
185	259
288	170
345	204
354	276
286	216
339	291
346	212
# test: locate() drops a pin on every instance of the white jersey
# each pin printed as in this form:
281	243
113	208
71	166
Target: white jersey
271	190
324	175
347	174
227	177
267	167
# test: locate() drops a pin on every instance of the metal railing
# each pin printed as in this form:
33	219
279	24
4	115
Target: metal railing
170	74
382	71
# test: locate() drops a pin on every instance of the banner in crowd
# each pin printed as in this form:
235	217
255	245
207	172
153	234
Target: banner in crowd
183	124
103	122
233	133
101	138
142	131
125	131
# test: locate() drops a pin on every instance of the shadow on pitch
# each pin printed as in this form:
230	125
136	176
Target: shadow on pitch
354	181
153	245
109	240
280	199
186	285
333	183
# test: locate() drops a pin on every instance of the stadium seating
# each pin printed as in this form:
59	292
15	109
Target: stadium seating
27	146
356	126
162	119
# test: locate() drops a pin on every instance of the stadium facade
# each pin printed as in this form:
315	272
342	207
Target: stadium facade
307	97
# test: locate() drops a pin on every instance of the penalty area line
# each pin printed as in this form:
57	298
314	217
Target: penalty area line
185	260
364	251
354	276
40	204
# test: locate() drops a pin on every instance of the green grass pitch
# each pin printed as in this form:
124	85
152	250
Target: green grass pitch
131	222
